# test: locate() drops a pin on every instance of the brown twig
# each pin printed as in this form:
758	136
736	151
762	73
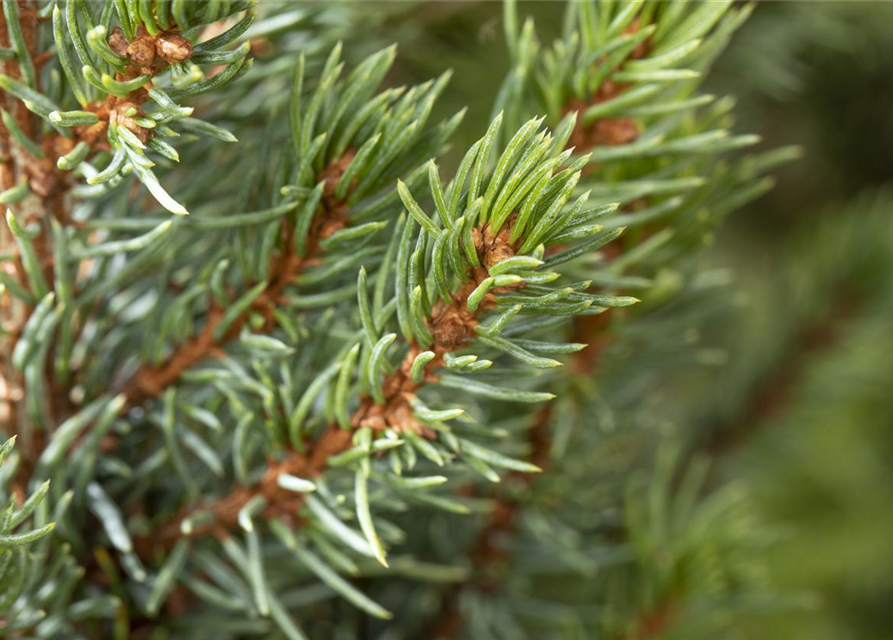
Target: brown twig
451	324
280	502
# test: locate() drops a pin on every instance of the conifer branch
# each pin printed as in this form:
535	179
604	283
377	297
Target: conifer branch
486	552
451	323
151	381
306	239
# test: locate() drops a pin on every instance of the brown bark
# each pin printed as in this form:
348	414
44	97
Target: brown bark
281	503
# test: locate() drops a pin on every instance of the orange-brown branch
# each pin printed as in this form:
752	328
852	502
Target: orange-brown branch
280	502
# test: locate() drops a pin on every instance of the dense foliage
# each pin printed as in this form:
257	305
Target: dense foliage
353	388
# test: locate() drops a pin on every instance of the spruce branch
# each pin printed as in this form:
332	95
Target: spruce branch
111	74
487	553
453	269
312	223
440	317
322	212
319	237
450	324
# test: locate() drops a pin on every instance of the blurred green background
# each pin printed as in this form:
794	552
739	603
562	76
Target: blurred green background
803	411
